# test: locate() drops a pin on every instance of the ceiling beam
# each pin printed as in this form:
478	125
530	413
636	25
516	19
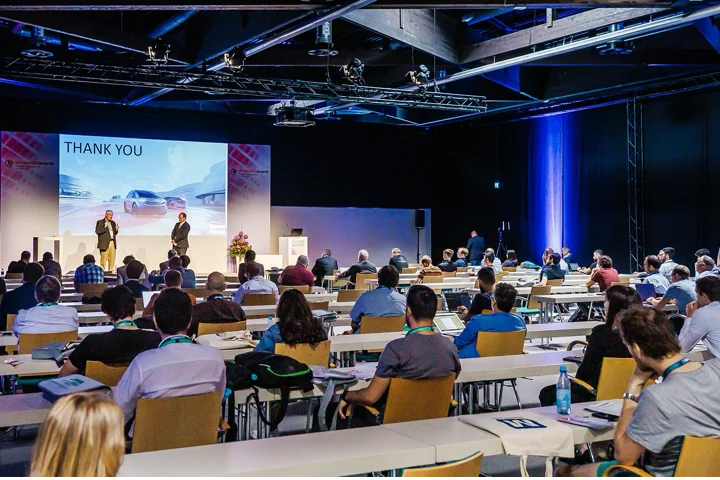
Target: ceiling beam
425	30
575	24
709	30
295	57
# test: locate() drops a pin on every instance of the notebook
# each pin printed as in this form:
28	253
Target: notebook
448	323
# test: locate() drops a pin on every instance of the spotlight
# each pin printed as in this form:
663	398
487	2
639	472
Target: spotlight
323	42
159	52
353	72
235	60
419	77
292	116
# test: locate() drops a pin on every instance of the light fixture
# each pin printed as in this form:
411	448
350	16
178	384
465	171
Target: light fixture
293	116
159	52
519	7
323	42
353	72
419	77
235	60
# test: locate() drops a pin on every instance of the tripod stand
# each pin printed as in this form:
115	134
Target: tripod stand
501	244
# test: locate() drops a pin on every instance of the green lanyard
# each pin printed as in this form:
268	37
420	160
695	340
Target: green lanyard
419	329
175	339
125	323
47	304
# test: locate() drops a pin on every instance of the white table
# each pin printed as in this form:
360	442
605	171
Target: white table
340	307
8	339
98	317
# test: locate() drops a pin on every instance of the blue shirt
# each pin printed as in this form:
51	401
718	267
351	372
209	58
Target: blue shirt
269	339
88	273
683	292
659	282
257	284
496	322
381	302
461	262
667	268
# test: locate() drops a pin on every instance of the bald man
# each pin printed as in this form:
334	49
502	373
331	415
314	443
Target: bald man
215	308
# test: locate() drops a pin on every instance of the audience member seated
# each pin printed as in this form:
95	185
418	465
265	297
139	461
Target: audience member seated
501	320
384	301
511	260
421	353
655	420
23	297
493	262
122	271
363	266
47	316
604	275
295	324
427	269
82	436
51	266
242	268
447	264
681	290
666	256
3	286
88	272
398	260
256	284
551	270
118	346
704	267
172	279
461	261
298	274
701	253
188	274
19	265
133	271
178	367
175	263
215	308
596	256
567	255
483	300
325	266
652	275
703	322
603	342
165	265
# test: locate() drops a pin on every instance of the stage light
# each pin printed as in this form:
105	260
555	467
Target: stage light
497	184
235	60
420	77
293	116
353	72
323	42
159	52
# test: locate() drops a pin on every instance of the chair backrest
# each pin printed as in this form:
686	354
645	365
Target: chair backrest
349	295
92	289
13	276
165	423
109	375
433	279
28	341
210	328
537	290
319	305
139	304
509	269
615	374
301	288
410	400
462	269
409	270
699	457
259	299
196	292
467	467
477	283
625	283
307	353
382	324
10	349
360	280
555	282
499	344
449	274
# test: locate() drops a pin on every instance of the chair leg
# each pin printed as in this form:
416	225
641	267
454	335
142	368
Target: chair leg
517	396
309	416
502	387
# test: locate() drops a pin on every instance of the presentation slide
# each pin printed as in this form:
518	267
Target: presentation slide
146	183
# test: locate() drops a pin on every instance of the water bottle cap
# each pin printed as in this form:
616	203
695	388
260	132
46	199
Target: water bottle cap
563	368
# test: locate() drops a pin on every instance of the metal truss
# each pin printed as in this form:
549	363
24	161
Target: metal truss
233	84
636	207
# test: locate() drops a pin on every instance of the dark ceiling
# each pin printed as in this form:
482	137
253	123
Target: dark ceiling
525	59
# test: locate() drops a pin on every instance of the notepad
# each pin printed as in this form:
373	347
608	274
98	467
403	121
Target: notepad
588	422
607	408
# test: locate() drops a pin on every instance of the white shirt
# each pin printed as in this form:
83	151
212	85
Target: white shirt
110	228
667	268
46	319
703	325
658	281
706	273
174	370
257	284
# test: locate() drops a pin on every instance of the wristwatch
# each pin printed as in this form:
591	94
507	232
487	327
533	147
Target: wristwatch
630	396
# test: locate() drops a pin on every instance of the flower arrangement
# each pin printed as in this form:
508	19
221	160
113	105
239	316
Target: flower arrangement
239	245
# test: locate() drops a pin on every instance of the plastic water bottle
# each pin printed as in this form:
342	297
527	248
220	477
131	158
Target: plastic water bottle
269	322
563	393
2	273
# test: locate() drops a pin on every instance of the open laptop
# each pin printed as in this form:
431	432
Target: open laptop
646	291
448	324
453	300
147	296
573	267
296	232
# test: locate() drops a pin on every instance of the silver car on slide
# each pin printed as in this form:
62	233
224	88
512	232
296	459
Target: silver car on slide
144	202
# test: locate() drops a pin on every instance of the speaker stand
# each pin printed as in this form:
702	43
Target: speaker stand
418	243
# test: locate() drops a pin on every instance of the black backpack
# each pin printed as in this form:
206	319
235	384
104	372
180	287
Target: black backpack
269	371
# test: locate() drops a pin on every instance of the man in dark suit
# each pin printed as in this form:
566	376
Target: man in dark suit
164	265
215	308
23	297
179	237
51	266
324	266
18	266
476	248
242	268
363	266
107	231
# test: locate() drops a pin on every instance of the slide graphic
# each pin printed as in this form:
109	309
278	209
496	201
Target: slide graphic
145	182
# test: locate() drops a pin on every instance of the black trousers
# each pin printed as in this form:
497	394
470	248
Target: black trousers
578	394
181	250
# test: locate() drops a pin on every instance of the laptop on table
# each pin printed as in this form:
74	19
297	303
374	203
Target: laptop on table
448	324
453	300
646	291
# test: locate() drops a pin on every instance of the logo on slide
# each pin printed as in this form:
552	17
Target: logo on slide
233	171
8	163
520	423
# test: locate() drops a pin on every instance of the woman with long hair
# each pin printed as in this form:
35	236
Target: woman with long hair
511	260
82	436
295	324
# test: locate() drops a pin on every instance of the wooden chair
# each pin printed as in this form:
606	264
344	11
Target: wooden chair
410	400
509	269
556	282
499	276
307	353
13	276
615	374
500	344
408	270
462	269
319	305
625	283
382	324
449	274
139	305
165	423
10	349
468	467
197	292
259	299
433	279
109	375
28	341
210	328
360	280
92	289
301	288
349	295
533	306
699	457
414	265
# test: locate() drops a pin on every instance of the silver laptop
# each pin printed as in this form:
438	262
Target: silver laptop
448	323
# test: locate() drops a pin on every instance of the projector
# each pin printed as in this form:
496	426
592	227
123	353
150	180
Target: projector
291	116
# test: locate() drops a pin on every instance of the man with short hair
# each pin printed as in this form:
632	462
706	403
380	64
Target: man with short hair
567	255
654	420
121	275
47	316
447	265
51	266
178	367
596	256
501	320
133	271
483	300
165	265
23	297
652	275
552	270
179	235
604	275
461	261
705	266
701	253
384	301
681	290
216	308
427	269
175	263
421	353
398	260
172	279
188	274
325	266
255	285
19	265
120	345
106	230
476	247
492	261
666	256
297	274
88	272
363	266
703	322
250	256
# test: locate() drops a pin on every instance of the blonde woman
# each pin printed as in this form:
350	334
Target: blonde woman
82	436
